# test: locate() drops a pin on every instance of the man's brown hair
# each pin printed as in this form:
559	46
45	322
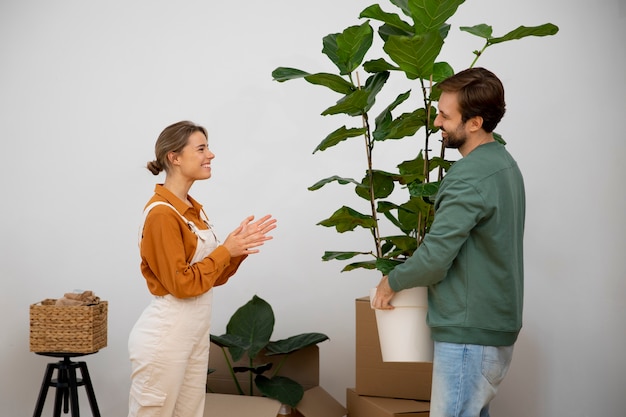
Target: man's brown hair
480	93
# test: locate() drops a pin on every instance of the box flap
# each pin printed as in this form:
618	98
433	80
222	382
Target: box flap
319	403
398	406
366	406
240	406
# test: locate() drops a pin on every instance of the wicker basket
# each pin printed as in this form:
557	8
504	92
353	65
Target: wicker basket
71	329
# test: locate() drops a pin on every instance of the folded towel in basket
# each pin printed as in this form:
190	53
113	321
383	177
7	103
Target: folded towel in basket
86	298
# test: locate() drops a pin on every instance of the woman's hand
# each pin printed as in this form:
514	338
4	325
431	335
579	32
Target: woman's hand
246	238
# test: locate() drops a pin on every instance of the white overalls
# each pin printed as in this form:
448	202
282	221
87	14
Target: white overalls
169	347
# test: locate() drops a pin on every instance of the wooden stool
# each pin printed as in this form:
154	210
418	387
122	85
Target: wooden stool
66	384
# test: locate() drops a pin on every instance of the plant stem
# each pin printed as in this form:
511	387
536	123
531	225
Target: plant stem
232	372
479	53
369	147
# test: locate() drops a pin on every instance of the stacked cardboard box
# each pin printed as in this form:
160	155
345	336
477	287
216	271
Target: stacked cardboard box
384	389
301	366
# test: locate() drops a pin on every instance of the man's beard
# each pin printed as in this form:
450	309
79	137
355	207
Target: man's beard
456	139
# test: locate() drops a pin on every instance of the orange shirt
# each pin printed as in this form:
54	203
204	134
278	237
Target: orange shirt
168	246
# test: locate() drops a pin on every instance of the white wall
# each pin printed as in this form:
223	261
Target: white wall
85	88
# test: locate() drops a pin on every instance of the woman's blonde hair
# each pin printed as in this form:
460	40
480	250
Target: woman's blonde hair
172	139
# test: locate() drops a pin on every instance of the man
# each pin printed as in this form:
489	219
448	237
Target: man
472	258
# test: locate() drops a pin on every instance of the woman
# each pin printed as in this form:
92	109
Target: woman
182	261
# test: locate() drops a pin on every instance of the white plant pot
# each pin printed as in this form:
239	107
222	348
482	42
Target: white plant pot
403	332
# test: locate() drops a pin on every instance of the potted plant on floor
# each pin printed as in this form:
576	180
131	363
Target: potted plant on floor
412	42
247	337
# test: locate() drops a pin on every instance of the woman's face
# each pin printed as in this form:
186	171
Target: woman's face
194	160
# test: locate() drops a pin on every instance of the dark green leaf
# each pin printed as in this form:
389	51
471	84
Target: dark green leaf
415	55
257	370
499	138
385	266
253	322
280	388
406	124
373	85
482	30
332	81
429	15
341	256
375	12
385	118
354	104
281	74
347	49
346	219
338	136
383	185
357	265
334	178
546	29
295	343
441	71
379	65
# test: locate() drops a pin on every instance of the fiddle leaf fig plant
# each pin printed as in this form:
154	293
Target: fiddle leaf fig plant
248	334
412	41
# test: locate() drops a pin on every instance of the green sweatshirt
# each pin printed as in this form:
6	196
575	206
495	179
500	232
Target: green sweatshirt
472	258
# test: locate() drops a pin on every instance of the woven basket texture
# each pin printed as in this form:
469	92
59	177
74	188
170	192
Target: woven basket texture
68	329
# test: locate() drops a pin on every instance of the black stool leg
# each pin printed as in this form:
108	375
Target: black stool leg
62	389
44	389
89	388
73	389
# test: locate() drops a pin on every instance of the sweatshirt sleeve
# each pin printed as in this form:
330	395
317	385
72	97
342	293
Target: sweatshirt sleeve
165	265
459	207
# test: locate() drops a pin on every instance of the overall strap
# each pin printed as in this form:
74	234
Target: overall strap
191	224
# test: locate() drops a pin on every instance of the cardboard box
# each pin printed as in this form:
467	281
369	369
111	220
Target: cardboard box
364	406
406	380
315	403
301	366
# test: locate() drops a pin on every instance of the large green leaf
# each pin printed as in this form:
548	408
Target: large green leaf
347	49
254	322
429	15
415	55
347	219
338	136
280	388
293	343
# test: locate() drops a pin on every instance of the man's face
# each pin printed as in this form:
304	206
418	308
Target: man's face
449	121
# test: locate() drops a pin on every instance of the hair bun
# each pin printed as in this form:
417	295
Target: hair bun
154	167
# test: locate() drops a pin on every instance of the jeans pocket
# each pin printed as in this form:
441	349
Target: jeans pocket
495	364
143	396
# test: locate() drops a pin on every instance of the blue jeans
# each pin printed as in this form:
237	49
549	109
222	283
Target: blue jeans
466	378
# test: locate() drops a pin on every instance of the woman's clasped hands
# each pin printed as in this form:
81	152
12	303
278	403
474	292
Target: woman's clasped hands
250	234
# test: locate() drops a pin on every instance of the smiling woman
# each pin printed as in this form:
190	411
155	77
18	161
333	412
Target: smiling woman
181	260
